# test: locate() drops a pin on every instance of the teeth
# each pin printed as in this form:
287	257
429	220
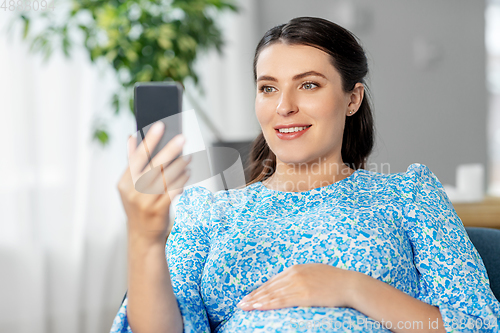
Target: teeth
291	129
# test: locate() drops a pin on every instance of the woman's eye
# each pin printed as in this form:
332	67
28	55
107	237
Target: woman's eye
309	85
267	89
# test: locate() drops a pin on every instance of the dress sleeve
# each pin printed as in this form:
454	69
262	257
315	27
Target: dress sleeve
451	274
186	251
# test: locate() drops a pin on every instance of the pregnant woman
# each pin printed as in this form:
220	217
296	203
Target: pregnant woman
314	242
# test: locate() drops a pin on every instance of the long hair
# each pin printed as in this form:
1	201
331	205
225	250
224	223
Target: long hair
348	57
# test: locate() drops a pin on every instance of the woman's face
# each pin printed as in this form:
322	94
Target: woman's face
297	85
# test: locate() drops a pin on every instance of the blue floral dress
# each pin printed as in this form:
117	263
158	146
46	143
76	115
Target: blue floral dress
399	228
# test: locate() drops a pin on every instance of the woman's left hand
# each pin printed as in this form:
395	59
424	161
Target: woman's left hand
303	285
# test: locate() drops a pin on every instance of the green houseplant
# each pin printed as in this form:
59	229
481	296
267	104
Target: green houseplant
143	40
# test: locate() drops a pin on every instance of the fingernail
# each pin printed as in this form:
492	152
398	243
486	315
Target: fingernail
257	305
157	127
180	140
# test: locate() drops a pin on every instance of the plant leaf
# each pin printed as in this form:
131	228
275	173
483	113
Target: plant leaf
116	103
167	37
26	26
102	136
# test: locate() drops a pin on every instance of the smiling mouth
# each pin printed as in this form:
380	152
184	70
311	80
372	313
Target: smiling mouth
292	129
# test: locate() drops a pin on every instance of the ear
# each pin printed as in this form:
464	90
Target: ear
355	98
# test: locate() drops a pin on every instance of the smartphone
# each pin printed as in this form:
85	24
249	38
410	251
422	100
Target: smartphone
155	101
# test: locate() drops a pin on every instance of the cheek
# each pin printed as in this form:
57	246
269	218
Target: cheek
329	109
324	103
263	112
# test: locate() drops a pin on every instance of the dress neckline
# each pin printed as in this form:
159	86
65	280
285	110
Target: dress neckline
315	190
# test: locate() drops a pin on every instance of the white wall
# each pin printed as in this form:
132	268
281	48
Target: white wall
227	79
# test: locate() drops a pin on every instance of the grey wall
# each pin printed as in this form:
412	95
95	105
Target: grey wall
427	62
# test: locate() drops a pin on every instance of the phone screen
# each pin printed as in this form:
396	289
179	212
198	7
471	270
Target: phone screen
155	101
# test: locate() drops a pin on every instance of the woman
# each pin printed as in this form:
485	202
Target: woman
314	242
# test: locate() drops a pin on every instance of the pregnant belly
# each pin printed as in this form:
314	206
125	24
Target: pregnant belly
300	319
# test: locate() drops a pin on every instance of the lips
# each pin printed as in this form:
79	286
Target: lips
291	125
292	135
306	127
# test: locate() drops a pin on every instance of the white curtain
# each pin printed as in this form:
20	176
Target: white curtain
62	225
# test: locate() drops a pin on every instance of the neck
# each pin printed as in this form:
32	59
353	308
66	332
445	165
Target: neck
301	177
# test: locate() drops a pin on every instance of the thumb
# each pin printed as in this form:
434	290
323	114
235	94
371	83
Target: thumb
131	144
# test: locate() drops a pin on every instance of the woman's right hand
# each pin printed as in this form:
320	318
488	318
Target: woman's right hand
148	214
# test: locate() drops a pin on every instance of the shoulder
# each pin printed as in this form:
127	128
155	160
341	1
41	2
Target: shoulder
195	195
415	174
419	181
421	189
420	174
378	178
415	181
200	196
201	205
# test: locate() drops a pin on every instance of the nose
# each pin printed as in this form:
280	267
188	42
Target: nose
286	104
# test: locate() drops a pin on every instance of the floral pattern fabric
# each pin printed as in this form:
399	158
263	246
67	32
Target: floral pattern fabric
399	228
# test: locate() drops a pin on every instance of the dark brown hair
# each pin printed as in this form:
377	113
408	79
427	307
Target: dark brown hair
349	58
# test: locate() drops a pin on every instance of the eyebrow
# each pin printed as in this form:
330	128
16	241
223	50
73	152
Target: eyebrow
296	77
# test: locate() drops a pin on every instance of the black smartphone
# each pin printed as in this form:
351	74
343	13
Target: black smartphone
155	101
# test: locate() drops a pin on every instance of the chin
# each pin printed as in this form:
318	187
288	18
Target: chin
293	158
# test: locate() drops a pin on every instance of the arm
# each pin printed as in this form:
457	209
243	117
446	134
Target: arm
187	249
147	268
157	279
451	274
394	309
318	284
453	283
152	306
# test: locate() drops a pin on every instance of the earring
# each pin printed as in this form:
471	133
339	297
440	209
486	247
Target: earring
350	112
